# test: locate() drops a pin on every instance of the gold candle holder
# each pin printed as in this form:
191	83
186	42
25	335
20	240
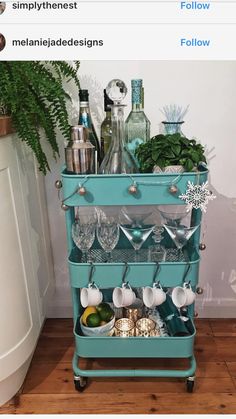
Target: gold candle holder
146	328
124	328
132	313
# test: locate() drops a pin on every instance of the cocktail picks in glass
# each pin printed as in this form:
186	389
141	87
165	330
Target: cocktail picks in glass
174	113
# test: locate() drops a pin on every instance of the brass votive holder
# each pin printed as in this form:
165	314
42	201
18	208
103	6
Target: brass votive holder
132	314
124	328
146	328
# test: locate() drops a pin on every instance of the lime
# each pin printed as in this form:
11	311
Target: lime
105	311
93	320
89	310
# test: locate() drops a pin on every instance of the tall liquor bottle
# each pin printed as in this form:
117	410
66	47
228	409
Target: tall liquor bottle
137	125
106	131
85	119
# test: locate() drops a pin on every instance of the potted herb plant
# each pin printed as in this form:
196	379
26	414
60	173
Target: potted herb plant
33	101
170	153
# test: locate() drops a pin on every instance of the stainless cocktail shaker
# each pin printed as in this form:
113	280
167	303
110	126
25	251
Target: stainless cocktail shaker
80	153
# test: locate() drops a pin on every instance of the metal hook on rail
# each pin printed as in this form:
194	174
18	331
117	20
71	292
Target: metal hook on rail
157	270
125	273
92	270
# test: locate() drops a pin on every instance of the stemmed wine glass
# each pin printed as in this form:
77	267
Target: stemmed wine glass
133	228
83	234
108	232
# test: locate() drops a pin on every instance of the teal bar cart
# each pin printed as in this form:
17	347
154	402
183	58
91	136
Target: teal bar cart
149	189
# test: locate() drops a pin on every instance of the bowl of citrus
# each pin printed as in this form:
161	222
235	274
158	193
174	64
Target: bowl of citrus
97	320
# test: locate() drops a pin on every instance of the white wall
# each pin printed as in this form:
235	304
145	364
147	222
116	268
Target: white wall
210	90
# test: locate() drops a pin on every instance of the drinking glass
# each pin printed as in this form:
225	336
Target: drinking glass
181	234
173	214
83	234
134	229
108	233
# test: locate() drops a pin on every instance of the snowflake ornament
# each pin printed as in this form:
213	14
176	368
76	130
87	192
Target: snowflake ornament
197	196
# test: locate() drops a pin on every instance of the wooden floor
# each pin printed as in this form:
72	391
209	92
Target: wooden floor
49	387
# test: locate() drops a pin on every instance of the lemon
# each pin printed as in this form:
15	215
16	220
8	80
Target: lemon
93	320
89	310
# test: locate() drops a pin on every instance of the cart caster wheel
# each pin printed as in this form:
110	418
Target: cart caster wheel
80	383
190	384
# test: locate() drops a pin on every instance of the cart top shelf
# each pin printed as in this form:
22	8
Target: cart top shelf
152	189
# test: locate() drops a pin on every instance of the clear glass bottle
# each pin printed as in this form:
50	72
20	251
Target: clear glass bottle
118	159
85	119
137	125
106	131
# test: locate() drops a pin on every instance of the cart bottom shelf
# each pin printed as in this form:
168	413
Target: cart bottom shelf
133	347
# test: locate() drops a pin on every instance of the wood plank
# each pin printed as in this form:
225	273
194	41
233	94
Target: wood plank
215	348
223	327
122	403
226	348
54	349
203	327
232	368
58	328
58	379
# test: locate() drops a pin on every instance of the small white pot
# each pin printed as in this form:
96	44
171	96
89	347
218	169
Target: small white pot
169	169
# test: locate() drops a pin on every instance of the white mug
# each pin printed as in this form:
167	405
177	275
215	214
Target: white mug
183	296
153	296
90	296
123	296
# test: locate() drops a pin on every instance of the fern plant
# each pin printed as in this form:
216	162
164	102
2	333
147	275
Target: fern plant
32	93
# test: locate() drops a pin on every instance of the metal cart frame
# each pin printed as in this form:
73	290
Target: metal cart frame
151	189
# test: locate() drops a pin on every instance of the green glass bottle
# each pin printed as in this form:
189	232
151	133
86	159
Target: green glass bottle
85	119
106	131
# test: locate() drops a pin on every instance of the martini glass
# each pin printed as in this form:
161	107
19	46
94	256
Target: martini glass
131	223
180	234
173	214
135	216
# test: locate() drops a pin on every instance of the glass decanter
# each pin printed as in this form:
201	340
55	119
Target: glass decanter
118	159
157	252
